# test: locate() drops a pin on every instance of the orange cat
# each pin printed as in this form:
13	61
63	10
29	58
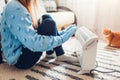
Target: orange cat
112	37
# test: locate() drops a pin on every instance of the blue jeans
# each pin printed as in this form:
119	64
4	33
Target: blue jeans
29	58
48	27
0	56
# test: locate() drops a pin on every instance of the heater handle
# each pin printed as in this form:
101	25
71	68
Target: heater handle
92	43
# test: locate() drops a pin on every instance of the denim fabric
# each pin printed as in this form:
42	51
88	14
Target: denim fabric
48	27
0	56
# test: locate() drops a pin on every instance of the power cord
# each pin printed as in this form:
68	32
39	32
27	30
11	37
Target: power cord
102	71
91	72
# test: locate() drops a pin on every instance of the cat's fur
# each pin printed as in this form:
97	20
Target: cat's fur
112	37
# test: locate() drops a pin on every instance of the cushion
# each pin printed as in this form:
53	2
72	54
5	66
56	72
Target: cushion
50	5
41	6
63	19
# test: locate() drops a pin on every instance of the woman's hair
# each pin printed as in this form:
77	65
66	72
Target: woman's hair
27	4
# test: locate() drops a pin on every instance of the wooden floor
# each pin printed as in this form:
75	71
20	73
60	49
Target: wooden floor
108	59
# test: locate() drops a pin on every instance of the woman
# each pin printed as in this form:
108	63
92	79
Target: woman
24	40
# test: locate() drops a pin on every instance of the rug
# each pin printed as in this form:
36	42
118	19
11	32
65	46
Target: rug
108	59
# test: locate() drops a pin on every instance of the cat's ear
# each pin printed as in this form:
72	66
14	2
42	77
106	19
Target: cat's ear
106	28
106	31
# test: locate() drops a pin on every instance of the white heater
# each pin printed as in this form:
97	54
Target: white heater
87	56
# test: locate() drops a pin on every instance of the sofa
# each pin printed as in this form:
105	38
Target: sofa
62	15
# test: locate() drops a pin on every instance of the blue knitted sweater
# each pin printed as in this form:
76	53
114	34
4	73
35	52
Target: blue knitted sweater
18	32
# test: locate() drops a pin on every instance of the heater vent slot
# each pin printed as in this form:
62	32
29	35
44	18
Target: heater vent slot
83	35
86	34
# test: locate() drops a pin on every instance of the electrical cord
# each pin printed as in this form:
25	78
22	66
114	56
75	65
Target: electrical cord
96	66
102	71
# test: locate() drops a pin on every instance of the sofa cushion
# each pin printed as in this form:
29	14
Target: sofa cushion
41	6
50	5
63	19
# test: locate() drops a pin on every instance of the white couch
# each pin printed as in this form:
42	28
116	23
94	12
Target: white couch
63	19
63	16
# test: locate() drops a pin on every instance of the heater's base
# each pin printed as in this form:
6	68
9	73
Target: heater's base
83	71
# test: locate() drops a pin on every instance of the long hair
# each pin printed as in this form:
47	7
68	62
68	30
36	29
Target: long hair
33	12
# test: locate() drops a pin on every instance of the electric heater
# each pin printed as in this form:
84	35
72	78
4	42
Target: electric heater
87	55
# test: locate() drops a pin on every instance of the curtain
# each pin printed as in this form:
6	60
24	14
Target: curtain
107	15
95	14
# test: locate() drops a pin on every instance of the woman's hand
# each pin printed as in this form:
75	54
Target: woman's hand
68	33
65	30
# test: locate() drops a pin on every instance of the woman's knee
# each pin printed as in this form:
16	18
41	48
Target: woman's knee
48	27
50	23
46	16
